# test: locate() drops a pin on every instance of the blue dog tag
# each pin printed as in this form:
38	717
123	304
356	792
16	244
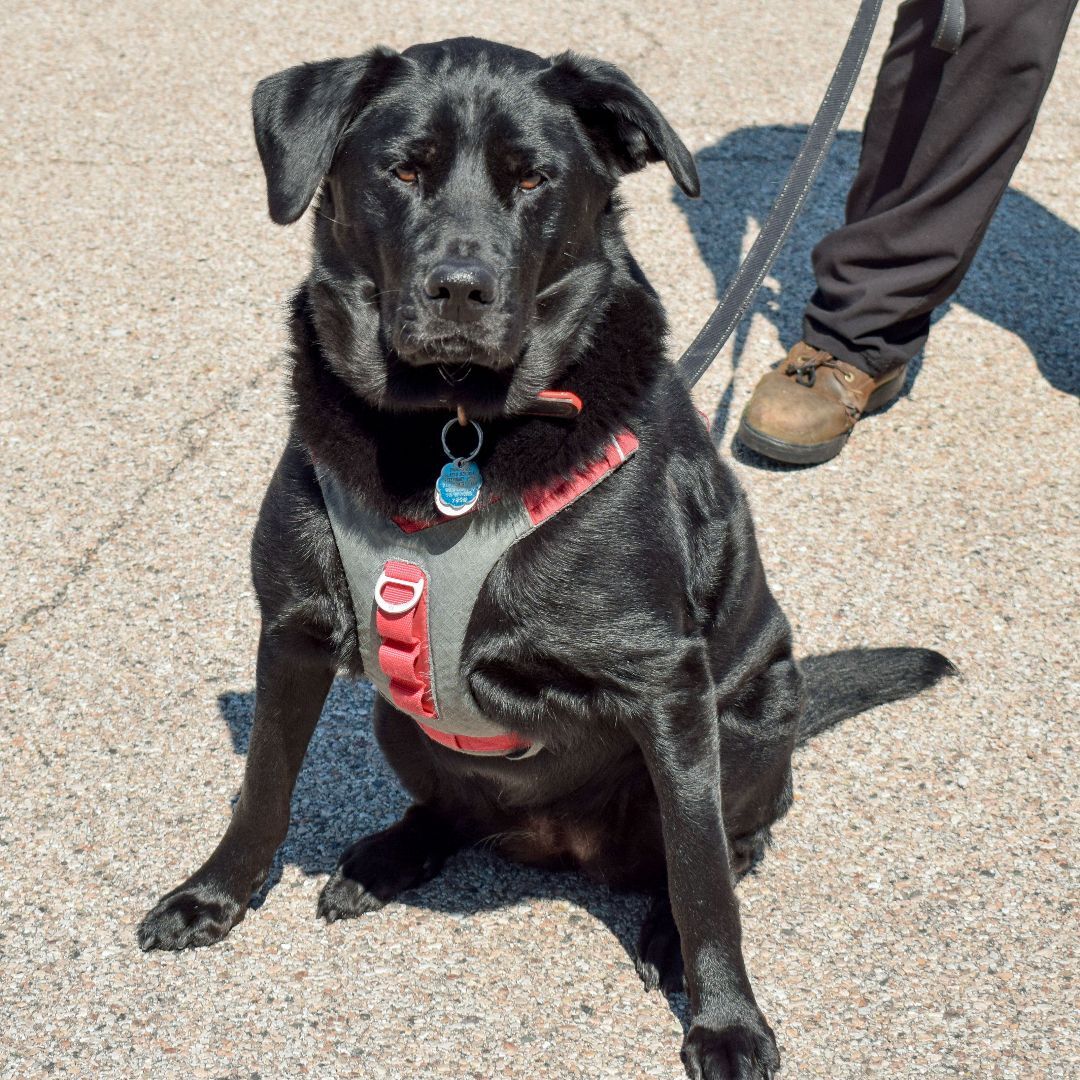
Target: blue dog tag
458	487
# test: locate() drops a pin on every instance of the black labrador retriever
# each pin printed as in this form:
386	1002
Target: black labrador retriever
468	258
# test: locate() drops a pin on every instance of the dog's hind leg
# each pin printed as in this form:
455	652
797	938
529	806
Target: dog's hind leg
377	868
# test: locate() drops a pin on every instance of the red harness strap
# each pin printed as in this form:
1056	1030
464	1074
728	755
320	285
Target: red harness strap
405	657
477	744
402	625
542	503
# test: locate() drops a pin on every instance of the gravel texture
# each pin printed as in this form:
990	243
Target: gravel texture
914	918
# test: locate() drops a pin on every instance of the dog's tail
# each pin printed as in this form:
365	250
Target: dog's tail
843	684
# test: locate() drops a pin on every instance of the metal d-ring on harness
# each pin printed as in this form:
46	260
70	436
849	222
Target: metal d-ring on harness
744	285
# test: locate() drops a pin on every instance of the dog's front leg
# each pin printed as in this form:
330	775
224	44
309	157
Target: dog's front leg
728	1037
291	684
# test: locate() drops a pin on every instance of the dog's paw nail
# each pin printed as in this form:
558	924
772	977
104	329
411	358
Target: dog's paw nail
343	898
648	974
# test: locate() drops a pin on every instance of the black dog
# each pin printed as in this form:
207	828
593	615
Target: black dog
468	255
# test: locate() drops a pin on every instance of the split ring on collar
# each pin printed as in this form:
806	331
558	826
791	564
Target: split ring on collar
479	440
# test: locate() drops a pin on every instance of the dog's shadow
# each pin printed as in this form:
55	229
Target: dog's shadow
346	790
1025	278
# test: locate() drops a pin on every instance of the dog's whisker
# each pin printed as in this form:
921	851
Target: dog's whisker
453	378
327	217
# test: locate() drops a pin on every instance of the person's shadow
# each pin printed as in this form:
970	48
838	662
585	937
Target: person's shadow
1025	278
347	790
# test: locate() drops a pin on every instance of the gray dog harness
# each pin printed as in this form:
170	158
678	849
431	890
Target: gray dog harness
414	586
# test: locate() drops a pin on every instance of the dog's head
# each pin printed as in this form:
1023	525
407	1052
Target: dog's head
464	236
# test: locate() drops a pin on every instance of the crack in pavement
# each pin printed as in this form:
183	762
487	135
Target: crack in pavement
85	562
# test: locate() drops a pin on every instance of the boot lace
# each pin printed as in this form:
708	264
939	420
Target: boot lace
805	370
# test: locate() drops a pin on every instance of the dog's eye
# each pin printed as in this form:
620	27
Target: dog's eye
531	181
406	174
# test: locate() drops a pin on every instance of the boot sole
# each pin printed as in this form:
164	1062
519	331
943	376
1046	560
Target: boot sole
799	454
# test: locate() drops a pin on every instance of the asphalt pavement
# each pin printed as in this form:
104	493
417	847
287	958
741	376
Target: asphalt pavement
916	917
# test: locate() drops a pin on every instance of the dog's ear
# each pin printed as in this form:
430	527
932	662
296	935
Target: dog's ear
627	128
300	115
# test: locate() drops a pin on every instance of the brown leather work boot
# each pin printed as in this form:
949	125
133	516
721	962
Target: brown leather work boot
803	411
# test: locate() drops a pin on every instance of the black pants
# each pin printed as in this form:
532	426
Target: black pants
942	138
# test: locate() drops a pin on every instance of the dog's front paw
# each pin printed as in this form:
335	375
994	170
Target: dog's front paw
189	917
736	1052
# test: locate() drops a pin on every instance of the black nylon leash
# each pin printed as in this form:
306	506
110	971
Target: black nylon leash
744	285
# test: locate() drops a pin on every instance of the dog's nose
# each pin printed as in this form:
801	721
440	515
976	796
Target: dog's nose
462	287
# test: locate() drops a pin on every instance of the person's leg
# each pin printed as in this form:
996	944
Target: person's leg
942	138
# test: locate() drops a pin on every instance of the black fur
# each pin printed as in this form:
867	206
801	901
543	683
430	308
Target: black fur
846	683
633	634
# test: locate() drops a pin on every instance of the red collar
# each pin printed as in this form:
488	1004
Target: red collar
559	403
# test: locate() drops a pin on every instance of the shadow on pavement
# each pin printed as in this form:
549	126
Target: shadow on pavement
1025	278
347	790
